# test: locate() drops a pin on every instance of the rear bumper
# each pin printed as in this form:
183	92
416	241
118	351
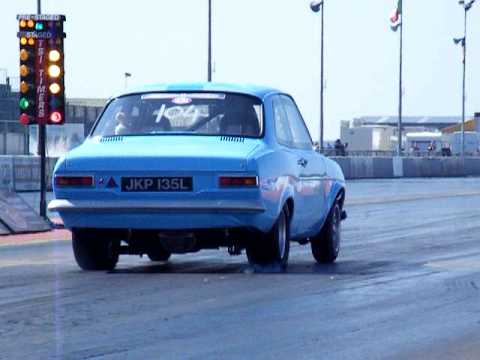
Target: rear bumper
129	207
162	215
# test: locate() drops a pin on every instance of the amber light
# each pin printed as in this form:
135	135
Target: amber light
54	88
30	23
24	55
31	41
54	71
24	87
24	70
238	181
23	40
54	55
23	23
74	180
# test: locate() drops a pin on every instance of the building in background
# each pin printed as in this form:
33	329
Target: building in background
368	138
421	133
17	139
453	136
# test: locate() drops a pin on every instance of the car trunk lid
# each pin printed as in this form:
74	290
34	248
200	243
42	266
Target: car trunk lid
156	154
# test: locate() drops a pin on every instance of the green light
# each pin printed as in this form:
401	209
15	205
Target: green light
24	104
39	26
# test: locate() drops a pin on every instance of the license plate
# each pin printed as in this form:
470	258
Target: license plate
157	184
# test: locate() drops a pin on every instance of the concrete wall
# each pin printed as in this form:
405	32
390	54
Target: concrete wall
388	167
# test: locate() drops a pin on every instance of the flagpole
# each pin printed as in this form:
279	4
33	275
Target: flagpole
400	83
209	61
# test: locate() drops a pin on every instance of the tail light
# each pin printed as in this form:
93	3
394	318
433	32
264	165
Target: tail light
238	181
79	181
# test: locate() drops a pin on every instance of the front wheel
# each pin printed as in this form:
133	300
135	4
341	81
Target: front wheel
95	249
273	247
326	244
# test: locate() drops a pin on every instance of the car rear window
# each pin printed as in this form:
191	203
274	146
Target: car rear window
182	113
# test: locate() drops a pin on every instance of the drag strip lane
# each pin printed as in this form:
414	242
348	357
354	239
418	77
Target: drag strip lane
406	286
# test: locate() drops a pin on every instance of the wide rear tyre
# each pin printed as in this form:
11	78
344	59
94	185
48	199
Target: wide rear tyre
326	245
273	247
159	254
95	250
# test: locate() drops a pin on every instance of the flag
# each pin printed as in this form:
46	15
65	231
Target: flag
396	16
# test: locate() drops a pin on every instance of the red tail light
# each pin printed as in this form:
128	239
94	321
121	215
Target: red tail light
238	181
74	180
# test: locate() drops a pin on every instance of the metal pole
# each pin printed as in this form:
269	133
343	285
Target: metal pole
463	84
400	85
5	134
42	133
322	77
209	41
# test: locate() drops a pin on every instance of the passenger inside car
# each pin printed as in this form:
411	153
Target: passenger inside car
240	121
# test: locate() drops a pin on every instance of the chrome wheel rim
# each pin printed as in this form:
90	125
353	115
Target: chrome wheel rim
282	235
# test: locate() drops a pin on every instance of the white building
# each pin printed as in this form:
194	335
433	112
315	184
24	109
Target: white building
380	133
367	138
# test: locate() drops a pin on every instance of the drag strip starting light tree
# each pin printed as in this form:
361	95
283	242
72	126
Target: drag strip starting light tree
42	90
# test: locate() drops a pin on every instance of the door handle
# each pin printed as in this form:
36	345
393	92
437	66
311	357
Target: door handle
302	162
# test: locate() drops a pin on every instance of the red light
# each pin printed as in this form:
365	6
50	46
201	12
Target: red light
56	117
24	119
74	180
238	181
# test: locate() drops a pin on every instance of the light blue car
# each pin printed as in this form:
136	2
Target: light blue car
180	168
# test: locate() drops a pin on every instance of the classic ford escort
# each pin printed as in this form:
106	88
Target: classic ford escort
179	168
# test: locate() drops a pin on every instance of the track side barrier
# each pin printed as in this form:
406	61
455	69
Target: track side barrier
395	167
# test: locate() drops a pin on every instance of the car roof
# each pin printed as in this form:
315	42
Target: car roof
253	90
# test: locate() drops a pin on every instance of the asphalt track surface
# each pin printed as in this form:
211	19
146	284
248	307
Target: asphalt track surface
406	286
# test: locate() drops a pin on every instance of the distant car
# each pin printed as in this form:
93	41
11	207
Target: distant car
180	168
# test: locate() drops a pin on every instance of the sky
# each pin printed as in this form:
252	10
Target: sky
268	42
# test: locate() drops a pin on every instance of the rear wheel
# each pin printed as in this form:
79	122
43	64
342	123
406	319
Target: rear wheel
158	254
326	245
95	249
273	247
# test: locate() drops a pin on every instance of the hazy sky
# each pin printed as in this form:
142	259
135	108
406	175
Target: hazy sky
270	42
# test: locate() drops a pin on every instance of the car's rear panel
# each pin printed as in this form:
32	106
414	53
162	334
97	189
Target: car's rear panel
202	159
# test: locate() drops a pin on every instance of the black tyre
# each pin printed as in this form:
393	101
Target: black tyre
273	247
326	245
95	249
159	254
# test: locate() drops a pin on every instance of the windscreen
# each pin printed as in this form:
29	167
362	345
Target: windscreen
182	113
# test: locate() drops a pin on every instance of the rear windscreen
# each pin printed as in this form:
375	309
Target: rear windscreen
178	113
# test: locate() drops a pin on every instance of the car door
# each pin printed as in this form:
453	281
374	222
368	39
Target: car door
290	169
312	168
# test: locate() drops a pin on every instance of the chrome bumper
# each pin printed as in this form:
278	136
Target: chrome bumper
157	206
